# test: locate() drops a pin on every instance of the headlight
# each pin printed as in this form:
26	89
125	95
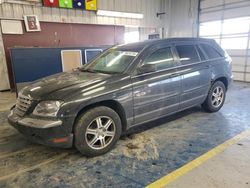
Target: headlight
47	108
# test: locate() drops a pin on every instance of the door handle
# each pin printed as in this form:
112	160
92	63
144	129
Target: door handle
173	75
207	66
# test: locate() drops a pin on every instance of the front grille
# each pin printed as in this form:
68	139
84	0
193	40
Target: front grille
23	104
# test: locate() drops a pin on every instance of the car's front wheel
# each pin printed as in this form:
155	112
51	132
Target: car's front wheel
215	98
97	131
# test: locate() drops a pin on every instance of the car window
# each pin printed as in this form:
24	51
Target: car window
210	51
187	54
161	58
111	61
201	54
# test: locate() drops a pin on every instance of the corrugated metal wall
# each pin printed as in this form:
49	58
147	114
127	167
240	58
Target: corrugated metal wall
180	19
147	7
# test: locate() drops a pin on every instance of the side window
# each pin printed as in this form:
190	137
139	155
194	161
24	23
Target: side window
161	58
210	51
201	54
187	54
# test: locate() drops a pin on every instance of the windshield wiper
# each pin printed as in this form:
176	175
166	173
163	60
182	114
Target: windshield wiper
97	71
86	70
109	72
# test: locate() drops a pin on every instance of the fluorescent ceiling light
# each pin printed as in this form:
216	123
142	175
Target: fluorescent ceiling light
119	14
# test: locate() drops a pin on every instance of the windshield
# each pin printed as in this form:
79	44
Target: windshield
111	62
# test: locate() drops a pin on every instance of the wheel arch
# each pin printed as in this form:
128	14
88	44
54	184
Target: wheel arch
223	79
113	104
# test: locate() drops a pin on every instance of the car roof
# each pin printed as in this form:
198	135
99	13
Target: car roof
138	46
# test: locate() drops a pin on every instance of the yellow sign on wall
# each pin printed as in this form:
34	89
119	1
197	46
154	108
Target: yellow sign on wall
90	5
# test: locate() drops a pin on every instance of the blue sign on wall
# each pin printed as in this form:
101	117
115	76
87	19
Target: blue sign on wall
79	4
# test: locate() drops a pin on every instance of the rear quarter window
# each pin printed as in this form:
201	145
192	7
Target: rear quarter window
187	54
210	51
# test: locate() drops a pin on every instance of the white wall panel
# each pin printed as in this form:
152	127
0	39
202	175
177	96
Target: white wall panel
210	16
238	64
18	11
238	76
210	3
180	19
237	52
248	65
38	12
238	60
238	68
7	11
237	12
247	77
233	1
147	7
55	15
27	9
45	14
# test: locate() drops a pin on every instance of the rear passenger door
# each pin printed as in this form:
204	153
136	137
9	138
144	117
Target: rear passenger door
195	75
156	93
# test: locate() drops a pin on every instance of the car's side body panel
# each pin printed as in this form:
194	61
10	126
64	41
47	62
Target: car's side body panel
195	80
156	93
118	90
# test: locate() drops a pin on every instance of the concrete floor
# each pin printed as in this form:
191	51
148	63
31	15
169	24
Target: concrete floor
148	153
7	100
229	169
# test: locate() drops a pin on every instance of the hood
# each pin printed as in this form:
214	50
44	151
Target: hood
47	86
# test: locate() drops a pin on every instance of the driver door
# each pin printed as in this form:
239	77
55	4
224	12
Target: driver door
156	93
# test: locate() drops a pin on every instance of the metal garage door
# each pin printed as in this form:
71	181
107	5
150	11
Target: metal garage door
228	22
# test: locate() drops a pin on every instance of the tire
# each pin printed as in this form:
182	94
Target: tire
215	98
97	131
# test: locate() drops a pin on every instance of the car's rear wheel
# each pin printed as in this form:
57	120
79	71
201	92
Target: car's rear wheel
97	131
215	98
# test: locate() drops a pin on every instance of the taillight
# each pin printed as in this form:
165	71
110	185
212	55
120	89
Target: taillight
228	58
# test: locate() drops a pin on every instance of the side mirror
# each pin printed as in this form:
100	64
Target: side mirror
147	68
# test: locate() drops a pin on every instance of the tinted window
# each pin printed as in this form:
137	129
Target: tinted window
161	58
201	54
187	54
210	51
111	61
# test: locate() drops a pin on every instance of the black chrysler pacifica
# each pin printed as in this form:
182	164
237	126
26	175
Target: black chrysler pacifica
126	85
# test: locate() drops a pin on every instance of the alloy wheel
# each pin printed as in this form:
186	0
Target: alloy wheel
217	96
100	132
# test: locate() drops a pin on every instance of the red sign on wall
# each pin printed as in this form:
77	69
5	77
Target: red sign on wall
51	3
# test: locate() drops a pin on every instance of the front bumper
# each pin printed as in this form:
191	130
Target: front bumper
43	131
